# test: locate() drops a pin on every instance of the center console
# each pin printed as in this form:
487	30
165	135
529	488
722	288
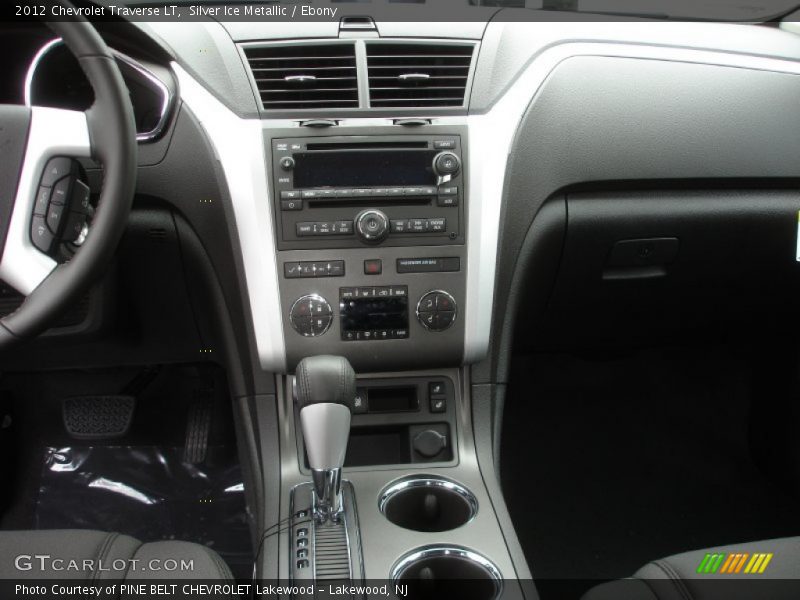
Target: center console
371	237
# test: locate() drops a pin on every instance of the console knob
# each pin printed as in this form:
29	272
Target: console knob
372	225
287	163
446	163
436	311
311	315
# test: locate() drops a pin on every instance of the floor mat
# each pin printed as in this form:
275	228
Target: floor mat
607	464
149	493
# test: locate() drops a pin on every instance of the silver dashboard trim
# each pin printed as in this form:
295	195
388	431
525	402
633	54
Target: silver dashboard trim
240	148
491	136
53	132
166	96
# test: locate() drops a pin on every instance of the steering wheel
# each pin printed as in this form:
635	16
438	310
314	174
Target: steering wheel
38	190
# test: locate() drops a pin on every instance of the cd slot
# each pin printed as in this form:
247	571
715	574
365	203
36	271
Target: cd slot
366	146
358	202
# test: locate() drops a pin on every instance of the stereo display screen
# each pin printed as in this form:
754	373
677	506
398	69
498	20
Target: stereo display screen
360	168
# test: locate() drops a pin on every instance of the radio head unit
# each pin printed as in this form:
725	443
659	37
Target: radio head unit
355	191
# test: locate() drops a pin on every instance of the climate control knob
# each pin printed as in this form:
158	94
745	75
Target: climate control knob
372	225
436	310
311	315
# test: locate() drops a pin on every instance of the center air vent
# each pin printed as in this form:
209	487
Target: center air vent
411	75
305	76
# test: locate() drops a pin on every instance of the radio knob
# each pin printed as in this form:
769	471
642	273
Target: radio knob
446	163
287	163
372	225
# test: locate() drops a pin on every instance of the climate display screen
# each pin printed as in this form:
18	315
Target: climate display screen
370	314
359	168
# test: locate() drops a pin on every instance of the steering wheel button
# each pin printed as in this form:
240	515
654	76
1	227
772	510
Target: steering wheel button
74	226
40	234
57	168
42	201
80	197
55	214
60	192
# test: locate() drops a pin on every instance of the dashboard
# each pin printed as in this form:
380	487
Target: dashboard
372	181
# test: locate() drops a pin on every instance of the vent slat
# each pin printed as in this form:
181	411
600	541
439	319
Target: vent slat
409	75
325	75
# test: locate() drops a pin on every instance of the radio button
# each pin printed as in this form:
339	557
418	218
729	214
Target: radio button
448	190
309	194
305	229
400	333
412	191
399	226
380	192
438	224
291	205
344	227
290	194
324	228
444	144
428	191
344	192
418	225
325	193
362	192
447	201
395	191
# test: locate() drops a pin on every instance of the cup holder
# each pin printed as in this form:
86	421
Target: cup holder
427	503
447	572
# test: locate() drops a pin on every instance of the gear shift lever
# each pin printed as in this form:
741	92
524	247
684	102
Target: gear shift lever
325	391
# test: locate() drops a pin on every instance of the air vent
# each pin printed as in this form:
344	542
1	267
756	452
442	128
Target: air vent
418	75
312	76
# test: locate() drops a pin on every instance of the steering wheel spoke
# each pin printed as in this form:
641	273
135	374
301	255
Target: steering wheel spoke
45	194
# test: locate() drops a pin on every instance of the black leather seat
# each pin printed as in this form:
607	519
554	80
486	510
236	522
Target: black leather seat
90	556
684	576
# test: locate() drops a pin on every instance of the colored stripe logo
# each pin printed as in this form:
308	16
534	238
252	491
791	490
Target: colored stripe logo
735	563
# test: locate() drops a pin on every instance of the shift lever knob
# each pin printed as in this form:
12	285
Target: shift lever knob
325	379
325	389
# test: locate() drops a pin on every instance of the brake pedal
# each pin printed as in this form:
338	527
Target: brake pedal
98	417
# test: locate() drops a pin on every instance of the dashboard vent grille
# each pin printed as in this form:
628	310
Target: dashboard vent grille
412	75
312	76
